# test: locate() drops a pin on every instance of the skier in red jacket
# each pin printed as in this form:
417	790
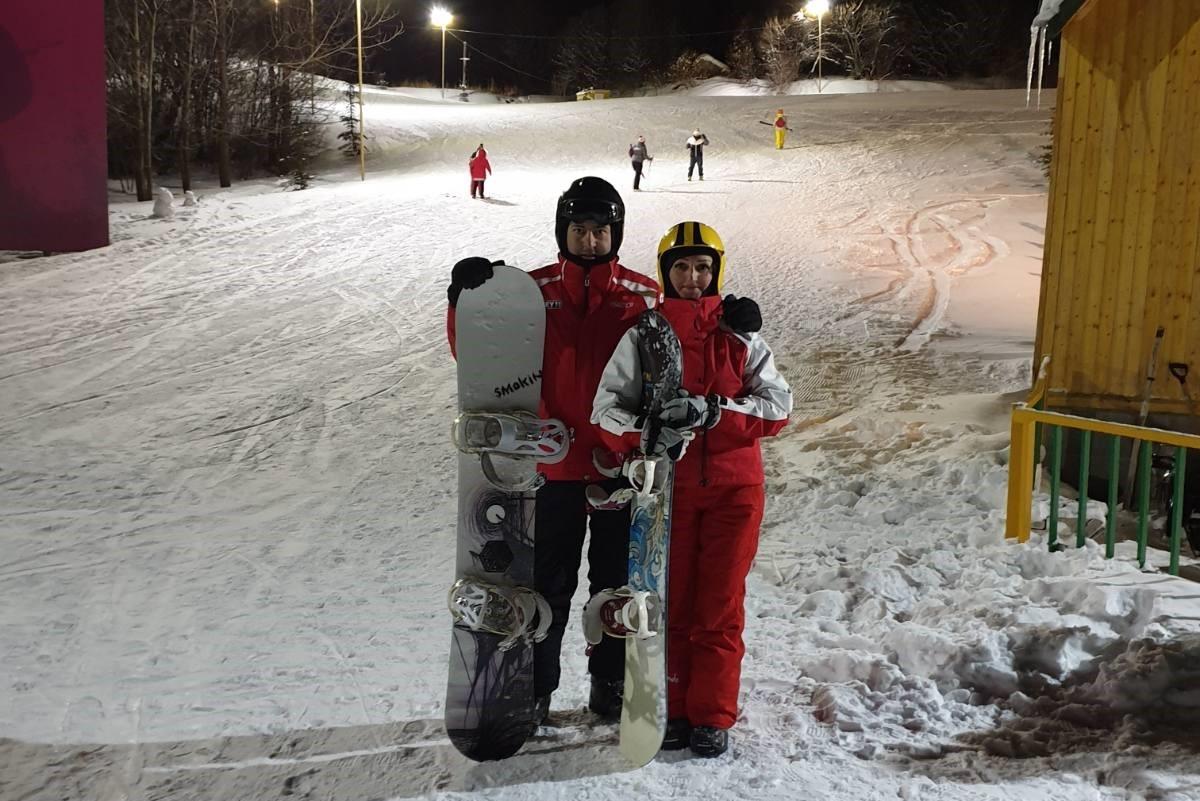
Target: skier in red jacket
591	301
480	168
733	397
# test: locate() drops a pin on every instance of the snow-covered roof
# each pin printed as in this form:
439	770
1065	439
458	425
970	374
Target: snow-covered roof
1054	14
715	62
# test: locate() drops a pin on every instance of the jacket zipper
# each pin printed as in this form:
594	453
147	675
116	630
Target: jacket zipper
704	434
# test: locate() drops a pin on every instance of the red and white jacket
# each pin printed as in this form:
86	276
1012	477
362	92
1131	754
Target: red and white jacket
756	400
480	166
587	313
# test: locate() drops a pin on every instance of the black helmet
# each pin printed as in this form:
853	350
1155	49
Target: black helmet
595	200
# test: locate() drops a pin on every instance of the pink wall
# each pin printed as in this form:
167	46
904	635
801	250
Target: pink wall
53	170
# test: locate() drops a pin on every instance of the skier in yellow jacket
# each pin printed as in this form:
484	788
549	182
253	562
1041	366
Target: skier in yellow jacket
781	129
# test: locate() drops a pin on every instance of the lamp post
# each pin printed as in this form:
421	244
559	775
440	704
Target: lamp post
441	18
818	9
465	58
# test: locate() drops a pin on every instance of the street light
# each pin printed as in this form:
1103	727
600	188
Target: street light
441	18
817	9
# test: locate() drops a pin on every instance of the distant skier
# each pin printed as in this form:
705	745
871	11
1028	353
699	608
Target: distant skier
781	129
695	146
639	154
591	301
735	396
480	168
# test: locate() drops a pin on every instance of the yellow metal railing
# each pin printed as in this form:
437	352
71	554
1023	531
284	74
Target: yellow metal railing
1023	460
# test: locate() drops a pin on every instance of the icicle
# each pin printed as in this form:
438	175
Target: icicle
1041	66
1033	39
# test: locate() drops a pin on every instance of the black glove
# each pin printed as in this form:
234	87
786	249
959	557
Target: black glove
469	273
741	315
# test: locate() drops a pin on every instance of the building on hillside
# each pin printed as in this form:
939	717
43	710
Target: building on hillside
1122	250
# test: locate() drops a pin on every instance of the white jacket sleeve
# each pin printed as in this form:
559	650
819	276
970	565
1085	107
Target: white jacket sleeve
619	394
763	409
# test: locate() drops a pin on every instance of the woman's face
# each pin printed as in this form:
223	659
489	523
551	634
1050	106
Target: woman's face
691	275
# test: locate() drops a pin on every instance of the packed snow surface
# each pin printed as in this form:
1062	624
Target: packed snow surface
227	494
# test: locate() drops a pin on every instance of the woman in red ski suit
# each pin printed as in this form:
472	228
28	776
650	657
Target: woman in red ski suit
734	397
480	168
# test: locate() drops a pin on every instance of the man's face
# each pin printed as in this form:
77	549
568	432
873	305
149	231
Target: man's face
589	239
691	275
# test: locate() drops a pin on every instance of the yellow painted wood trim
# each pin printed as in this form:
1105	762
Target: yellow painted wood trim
1019	515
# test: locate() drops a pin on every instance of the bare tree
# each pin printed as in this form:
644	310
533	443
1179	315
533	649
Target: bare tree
741	57
784	46
862	37
949	42
131	56
244	78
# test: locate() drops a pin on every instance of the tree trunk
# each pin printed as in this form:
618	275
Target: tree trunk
185	114
224	168
141	177
148	144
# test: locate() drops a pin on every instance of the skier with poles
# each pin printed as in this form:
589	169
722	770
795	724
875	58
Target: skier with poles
781	129
734	397
639	155
695	146
591	301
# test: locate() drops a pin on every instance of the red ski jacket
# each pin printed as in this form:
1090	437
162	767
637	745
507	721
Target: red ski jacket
756	400
587	313
480	166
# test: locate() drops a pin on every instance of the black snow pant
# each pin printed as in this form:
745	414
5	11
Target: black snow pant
562	516
637	174
697	161
476	184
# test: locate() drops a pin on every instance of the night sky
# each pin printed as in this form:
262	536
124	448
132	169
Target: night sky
415	55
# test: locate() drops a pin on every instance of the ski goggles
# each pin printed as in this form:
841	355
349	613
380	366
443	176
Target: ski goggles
601	212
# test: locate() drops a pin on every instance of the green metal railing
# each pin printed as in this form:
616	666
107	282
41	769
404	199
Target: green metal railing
1026	423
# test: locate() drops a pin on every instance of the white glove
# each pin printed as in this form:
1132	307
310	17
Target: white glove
691	412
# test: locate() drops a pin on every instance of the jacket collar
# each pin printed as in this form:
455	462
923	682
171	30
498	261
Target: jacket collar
587	283
692	317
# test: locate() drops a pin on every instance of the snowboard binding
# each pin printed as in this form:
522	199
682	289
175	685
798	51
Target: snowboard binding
518	613
645	477
513	435
623	612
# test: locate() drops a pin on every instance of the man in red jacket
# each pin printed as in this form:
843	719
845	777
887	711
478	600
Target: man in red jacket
591	301
734	397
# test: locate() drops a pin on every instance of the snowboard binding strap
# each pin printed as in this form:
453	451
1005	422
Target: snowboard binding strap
518	613
517	434
622	613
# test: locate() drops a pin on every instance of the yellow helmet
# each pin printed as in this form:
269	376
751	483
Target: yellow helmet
688	239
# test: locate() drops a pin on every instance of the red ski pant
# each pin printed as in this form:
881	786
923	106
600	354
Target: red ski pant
714	536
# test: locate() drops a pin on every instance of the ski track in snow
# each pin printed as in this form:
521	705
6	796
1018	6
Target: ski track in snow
229	494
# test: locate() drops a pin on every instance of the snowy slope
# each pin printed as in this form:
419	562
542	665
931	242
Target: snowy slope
228	497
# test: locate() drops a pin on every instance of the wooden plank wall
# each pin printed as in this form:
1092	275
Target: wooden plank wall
1122	253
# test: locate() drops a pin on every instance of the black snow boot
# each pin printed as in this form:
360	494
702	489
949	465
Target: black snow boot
678	736
606	695
708	741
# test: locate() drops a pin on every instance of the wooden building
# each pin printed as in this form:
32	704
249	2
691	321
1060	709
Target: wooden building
1122	251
